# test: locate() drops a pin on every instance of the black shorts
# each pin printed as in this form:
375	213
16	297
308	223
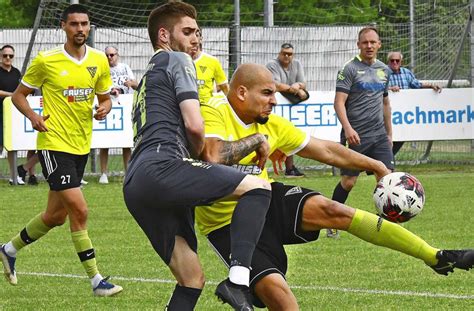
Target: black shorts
62	170
161	196
282	227
375	147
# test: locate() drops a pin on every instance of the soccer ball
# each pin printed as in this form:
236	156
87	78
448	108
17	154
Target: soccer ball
399	197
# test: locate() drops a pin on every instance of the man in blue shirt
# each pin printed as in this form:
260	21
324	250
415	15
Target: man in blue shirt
403	78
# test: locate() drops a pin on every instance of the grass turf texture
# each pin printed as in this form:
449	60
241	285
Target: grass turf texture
343	274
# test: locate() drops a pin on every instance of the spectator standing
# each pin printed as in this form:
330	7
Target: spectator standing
209	72
363	108
70	76
9	79
403	78
289	78
124	83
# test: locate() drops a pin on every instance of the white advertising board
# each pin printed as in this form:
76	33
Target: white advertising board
416	115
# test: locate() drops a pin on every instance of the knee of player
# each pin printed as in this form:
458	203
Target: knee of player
195	280
79	215
319	207
55	220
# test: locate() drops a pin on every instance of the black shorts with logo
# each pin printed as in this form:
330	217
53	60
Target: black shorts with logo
161	196
282	227
375	147
62	170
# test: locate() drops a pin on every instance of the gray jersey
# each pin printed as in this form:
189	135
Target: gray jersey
157	121
366	86
295	72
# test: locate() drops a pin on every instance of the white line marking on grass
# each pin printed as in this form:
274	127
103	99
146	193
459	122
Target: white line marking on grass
311	288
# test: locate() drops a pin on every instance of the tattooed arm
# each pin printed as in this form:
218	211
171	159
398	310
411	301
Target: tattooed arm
231	152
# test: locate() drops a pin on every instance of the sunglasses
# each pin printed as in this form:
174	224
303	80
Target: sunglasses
395	61
111	54
287	54
8	56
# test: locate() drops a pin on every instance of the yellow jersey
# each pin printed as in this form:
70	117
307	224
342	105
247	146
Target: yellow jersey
68	86
208	70
222	122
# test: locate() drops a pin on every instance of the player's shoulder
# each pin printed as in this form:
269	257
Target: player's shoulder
351	63
58	50
217	102
208	57
95	52
381	64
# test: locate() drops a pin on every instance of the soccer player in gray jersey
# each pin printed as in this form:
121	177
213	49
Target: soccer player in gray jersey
163	183
363	108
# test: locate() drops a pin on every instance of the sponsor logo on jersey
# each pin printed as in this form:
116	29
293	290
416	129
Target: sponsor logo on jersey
248	169
92	71
294	190
77	95
382	75
203	68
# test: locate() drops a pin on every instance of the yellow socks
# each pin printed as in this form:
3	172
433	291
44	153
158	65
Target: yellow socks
84	250
373	229
34	230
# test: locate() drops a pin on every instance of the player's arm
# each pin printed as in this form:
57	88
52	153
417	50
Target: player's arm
194	124
387	117
340	108
21	103
231	152
104	106
5	93
224	87
335	154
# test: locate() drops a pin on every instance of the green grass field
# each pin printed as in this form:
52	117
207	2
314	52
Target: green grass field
343	274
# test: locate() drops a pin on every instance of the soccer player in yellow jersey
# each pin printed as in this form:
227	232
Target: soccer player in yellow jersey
69	76
208	72
296	215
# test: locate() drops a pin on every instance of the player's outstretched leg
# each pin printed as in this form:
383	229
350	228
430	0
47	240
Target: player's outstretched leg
8	266
450	259
378	231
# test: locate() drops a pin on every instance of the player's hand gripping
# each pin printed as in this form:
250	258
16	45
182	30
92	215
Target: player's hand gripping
38	122
263	151
277	158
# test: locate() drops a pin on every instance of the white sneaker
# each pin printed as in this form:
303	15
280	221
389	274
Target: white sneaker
83	182
19	181
103	179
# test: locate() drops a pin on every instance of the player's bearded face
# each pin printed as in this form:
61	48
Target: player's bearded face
184	37
262	102
77	27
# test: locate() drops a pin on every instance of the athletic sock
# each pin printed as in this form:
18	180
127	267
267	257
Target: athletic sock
34	230
247	224
86	253
183	298
340	194
239	275
373	229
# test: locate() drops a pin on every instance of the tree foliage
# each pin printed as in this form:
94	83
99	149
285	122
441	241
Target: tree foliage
16	14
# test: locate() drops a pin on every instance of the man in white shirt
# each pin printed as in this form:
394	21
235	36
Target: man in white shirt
124	83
